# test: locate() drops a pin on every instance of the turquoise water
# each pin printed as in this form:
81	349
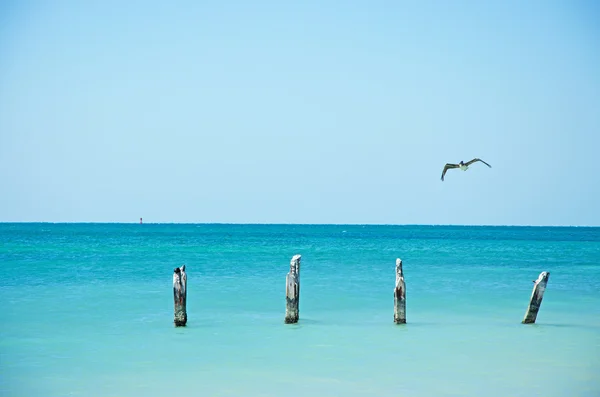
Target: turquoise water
87	310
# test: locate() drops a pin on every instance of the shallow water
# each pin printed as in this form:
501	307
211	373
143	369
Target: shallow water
87	310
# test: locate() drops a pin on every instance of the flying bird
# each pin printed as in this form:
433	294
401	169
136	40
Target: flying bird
462	166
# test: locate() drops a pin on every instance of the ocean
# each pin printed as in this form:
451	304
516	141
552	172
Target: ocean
87	310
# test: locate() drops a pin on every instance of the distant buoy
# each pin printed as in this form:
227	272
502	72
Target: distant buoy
140	221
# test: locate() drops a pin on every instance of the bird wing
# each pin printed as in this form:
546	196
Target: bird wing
476	160
447	167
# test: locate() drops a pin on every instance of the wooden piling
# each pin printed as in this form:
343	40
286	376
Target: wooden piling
536	298
180	295
399	295
292	291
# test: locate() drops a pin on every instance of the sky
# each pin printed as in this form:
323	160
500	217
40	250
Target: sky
300	112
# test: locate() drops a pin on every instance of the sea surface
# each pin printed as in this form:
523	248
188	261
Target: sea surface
87	310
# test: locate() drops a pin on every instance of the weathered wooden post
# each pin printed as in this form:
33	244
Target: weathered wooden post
180	295
292	291
536	298
399	295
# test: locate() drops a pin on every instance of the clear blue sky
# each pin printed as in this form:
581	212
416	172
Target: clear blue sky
300	112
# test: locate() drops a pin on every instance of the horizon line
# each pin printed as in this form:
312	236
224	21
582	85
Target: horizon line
287	224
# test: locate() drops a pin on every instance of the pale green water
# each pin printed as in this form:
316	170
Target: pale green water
87	311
